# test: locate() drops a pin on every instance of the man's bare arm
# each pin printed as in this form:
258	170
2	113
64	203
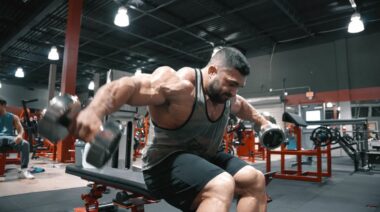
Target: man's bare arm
242	109
19	129
144	89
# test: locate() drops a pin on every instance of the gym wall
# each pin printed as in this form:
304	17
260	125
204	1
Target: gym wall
350	63
14	94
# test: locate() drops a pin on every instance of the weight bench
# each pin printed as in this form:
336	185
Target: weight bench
133	195
4	151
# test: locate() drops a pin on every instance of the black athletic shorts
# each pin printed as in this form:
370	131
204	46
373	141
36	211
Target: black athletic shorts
179	178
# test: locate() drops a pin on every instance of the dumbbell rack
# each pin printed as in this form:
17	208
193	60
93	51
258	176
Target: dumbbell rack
299	174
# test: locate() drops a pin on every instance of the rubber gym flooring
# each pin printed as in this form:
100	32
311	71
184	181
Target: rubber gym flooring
346	191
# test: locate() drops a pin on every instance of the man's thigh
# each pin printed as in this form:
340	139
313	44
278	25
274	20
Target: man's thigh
180	177
228	162
7	142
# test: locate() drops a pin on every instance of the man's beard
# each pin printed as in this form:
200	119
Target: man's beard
215	95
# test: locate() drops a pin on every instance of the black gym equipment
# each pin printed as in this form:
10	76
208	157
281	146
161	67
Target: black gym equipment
360	154
322	136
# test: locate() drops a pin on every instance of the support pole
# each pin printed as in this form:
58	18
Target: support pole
69	72
52	79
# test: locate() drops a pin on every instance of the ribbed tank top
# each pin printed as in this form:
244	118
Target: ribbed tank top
6	124
198	135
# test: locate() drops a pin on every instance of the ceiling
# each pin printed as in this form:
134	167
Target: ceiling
164	32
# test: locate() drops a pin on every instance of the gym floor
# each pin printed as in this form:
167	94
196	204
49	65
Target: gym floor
346	190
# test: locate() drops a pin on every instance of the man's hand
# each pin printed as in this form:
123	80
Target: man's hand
18	139
266	125
87	125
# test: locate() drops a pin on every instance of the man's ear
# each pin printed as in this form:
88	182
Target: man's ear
212	70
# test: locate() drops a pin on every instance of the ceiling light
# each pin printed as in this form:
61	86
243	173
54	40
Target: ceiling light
0	85
353	4
19	73
53	54
121	18
356	25
91	86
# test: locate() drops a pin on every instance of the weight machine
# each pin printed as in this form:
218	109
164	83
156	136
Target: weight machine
299	174
359	155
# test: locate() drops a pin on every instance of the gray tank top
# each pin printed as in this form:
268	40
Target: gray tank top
198	135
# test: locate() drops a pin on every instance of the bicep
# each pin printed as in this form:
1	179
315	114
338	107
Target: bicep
17	123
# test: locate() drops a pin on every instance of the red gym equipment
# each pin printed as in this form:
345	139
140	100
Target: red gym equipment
299	174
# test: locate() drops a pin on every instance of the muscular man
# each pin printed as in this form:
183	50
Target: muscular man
189	110
8	123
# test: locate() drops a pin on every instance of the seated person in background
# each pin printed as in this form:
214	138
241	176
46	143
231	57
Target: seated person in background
8	123
189	110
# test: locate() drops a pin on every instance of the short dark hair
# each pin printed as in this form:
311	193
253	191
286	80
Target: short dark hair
231	58
2	101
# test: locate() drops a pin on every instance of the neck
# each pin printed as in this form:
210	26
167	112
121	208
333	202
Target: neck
2	112
205	80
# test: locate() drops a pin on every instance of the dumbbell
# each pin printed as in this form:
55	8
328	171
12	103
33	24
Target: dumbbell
62	112
271	136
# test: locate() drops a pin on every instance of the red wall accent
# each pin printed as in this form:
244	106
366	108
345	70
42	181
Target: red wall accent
371	93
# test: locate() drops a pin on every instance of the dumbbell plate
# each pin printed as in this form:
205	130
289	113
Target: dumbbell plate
272	136
61	112
105	144
50	128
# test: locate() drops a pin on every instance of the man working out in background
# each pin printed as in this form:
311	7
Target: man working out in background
189	110
8	123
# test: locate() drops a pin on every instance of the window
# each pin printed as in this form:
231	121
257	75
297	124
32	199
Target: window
313	115
330	114
375	112
358	112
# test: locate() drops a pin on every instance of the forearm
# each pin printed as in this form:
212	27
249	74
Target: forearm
112	96
20	131
246	111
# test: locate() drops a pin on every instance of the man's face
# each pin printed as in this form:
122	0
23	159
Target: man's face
225	84
2	108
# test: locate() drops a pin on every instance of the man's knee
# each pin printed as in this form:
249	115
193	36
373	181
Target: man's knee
222	182
249	180
221	188
24	144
